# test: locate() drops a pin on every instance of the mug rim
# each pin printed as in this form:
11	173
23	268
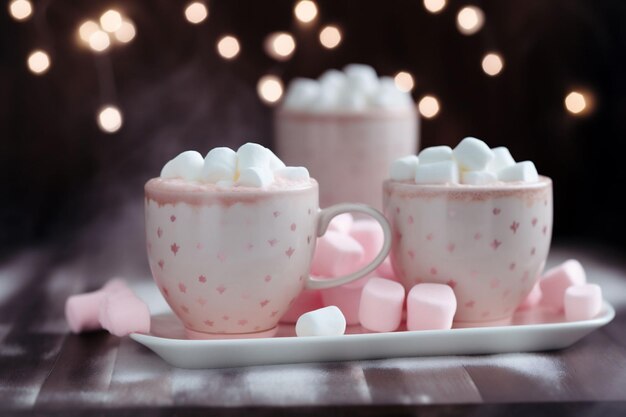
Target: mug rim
543	182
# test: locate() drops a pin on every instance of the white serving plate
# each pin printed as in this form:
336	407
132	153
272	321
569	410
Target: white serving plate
532	330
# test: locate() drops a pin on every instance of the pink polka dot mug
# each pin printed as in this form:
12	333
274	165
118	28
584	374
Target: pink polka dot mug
489	243
230	262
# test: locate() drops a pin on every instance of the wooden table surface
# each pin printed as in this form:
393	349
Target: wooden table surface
45	368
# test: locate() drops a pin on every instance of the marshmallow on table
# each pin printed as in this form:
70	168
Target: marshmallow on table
369	234
381	305
532	299
478	177
473	154
501	159
435	154
308	300
430	307
522	171
341	223
292	173
582	302
437	173
301	93
187	165
123	313
220	164
403	169
557	280
327	321
81	310
336	254
255	177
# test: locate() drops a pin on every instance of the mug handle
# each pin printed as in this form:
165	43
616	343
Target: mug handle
325	216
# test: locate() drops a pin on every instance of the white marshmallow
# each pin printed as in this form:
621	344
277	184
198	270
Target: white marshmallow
435	154
328	99
219	164
255	177
253	155
362	78
473	154
225	184
478	177
187	165
352	100
522	171
275	162
327	321
437	173
332	80
301	93
292	173
501	159
404	168
386	98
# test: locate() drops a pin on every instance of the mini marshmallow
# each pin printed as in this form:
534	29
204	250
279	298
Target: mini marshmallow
187	165
308	300
582	302
123	313
473	154
301	93
327	321
81	310
478	177
369	234
403	169
361	78
381	305
336	254
292	173
522	171
435	154
501	159
437	173
219	164
346	298
532	299
253	155
430	307
557	280
341	223
255	177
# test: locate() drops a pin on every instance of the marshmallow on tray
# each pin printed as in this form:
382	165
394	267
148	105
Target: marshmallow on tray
370	235
445	172
403	169
522	171
123	313
327	321
582	302
532	299
430	307
187	165
557	280
341	223
381	305
472	154
308	300
346	298
81	310
336	254
220	164
435	154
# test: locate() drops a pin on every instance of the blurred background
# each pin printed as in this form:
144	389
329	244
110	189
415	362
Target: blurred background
95	96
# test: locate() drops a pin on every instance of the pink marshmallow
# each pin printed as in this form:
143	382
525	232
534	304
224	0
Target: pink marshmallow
81	310
381	305
341	223
308	300
430	307
370	235
532	299
385	270
347	298
123	313
336	254
557	280
582	302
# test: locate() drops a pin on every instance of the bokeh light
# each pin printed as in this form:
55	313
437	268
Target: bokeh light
38	62
109	119
228	47
330	37
270	89
404	81
111	21
126	32
99	41
577	102
434	6
86	29
280	45
470	20
492	64
428	106
305	11
196	12
20	9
